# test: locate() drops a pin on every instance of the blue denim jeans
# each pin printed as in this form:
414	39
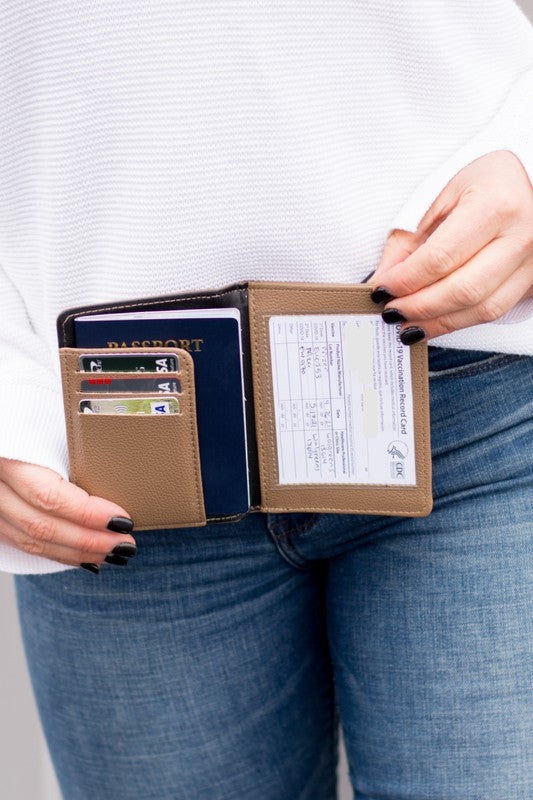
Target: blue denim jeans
216	664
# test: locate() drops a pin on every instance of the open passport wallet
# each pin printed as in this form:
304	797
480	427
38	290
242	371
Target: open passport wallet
278	397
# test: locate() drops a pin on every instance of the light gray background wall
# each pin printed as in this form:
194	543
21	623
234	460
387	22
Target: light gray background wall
25	769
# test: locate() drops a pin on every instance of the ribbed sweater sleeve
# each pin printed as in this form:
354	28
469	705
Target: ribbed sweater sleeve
29	388
32	424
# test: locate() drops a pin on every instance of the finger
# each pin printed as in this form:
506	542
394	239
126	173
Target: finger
465	287
489	310
398	246
56	552
40	533
470	226
47	491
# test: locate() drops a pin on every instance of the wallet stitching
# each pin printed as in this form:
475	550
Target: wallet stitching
192	410
124	306
365	510
69	417
263	324
259	396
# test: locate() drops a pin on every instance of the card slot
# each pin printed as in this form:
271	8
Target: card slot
69	357
139	375
80	393
150	376
127	396
149	467
99	396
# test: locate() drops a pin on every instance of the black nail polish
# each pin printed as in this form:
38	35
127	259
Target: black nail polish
124	549
118	560
412	335
120	524
91	567
390	315
381	295
368	276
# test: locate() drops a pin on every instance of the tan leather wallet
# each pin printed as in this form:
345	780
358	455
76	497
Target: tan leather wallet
150	464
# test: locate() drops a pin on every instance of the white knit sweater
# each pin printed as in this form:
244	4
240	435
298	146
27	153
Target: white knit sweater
148	148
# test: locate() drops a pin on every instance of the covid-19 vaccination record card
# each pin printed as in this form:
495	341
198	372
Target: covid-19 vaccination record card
343	401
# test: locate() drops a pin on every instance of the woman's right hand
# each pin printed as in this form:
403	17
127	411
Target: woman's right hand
45	515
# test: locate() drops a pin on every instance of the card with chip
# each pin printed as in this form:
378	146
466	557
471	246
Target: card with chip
130	405
137	383
130	362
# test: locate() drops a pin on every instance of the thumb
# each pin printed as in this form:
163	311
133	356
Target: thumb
398	246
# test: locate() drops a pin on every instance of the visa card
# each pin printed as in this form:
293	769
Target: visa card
129	362
130	405
163	385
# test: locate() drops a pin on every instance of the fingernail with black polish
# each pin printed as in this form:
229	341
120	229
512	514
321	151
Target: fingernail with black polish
120	561
412	335
120	524
124	549
381	295
390	315
91	567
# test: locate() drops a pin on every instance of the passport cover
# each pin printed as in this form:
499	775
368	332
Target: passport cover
258	301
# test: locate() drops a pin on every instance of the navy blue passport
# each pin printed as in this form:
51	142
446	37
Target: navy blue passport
213	338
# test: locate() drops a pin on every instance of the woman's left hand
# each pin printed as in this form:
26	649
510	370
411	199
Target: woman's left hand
471	257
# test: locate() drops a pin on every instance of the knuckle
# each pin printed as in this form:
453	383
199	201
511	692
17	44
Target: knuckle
444	325
523	236
440	260
400	239
405	285
420	310
40	530
48	497
467	293
495	205
85	542
505	207
490	310
508	204
34	547
86	513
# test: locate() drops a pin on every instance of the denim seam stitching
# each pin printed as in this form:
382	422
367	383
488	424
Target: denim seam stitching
284	538
299	529
470	370
284	548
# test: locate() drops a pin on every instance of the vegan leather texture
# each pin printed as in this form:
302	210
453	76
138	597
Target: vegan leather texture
148	464
151	465
267	299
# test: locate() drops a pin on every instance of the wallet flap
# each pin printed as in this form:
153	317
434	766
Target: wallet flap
272	299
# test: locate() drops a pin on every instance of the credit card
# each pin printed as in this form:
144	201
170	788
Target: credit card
129	362
130	405
163	385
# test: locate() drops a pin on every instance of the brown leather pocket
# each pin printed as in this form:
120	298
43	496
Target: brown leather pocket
271	299
149	464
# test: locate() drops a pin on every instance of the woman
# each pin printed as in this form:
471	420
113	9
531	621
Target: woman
152	148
